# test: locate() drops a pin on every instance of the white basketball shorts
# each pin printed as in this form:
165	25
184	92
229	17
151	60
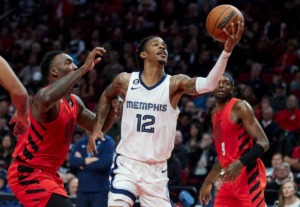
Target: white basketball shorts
131	179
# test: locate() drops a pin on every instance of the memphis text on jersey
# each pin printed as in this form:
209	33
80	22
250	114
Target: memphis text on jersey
146	106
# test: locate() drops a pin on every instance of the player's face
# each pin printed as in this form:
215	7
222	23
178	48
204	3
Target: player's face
156	50
63	65
224	89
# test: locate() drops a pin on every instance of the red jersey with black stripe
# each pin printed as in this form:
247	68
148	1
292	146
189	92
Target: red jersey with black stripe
231	140
45	145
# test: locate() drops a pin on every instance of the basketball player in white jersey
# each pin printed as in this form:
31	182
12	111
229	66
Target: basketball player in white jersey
149	121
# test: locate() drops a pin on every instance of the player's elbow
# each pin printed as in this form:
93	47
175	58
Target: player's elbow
211	83
19	93
265	144
210	86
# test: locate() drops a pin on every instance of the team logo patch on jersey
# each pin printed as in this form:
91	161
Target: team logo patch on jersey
136	81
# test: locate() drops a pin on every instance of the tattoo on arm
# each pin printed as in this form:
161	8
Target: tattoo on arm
119	86
57	90
185	84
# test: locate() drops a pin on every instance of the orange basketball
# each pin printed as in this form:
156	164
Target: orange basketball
221	17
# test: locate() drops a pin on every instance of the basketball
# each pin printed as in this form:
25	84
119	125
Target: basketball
221	17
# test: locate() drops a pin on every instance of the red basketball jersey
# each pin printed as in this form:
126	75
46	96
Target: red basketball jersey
231	140
45	145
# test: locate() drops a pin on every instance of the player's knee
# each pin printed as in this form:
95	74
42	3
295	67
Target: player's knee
120	203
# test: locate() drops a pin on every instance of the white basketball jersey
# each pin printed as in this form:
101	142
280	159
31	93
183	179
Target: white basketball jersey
148	121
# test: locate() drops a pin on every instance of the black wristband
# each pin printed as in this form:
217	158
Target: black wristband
255	152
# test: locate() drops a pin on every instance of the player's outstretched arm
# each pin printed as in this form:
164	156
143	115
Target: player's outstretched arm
46	98
204	194
193	86
19	97
117	87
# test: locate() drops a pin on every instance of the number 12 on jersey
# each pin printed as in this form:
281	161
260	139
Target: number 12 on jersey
144	123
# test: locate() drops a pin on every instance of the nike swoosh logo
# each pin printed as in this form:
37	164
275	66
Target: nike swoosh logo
132	88
163	171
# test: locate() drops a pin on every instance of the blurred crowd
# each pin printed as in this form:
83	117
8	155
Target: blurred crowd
265	66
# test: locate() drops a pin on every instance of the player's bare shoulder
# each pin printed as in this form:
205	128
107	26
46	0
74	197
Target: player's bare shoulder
242	108
121	82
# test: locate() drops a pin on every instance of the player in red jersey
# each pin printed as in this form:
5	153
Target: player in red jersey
18	95
239	141
54	113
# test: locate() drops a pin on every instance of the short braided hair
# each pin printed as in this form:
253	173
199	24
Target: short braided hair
46	63
141	48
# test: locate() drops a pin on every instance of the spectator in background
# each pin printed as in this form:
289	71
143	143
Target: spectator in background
3	182
76	44
168	16
295	84
4	129
190	107
183	124
93	172
205	118
36	51
275	29
35	84
262	53
255	80
5	111
264	102
278	101
288	195
195	134
248	95
273	132
113	67
276	78
288	57
72	187
281	174
204	62
202	158
117	40
179	150
7	147
294	160
277	160
191	56
26	74
176	50
174	170
289	119
91	88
